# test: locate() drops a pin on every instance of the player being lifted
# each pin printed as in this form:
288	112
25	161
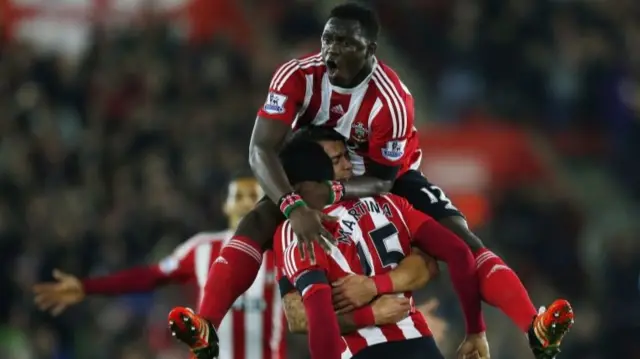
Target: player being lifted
411	274
374	235
347	88
264	338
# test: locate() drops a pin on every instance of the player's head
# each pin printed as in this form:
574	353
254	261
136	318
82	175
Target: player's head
242	194
349	40
334	146
306	164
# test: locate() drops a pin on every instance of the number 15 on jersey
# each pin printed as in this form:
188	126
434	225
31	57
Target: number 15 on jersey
380	246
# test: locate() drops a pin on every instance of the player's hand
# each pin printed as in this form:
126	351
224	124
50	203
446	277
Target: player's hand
475	346
56	296
390	309
352	292
306	223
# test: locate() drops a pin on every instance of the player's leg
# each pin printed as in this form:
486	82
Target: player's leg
231	274
502	288
499	285
237	266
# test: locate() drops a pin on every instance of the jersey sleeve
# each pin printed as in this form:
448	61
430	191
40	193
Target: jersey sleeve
305	276
391	127
179	266
286	93
412	217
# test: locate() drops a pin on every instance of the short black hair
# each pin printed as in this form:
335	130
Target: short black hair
360	13
304	161
241	174
316	134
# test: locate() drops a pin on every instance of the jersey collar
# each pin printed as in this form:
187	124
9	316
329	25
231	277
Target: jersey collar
364	83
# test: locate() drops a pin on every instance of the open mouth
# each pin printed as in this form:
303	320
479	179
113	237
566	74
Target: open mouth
332	66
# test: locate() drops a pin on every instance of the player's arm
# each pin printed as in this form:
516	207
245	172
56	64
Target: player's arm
387	309
267	138
324	331
387	149
134	280
311	282
273	124
175	268
412	273
369	185
294	310
436	240
68	289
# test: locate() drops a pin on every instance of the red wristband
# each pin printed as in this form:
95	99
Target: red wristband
337	191
383	283
363	317
288	202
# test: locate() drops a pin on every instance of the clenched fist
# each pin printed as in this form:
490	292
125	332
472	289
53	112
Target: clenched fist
475	346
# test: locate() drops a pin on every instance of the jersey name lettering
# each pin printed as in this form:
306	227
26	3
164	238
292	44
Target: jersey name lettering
365	206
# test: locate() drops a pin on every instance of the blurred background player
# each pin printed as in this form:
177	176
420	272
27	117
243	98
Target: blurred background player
253	329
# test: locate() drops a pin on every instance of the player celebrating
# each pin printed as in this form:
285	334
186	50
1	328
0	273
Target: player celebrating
374	233
347	88
253	329
413	272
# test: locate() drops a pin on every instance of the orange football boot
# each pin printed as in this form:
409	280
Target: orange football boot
194	331
548	329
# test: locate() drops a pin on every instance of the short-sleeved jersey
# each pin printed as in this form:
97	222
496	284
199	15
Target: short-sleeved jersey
253	328
373	236
376	117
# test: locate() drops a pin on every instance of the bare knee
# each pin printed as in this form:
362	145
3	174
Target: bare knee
458	225
261	223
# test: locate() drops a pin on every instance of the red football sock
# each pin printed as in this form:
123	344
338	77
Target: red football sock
230	275
501	287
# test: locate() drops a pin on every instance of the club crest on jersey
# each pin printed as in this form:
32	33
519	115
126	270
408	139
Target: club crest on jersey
275	103
360	133
394	150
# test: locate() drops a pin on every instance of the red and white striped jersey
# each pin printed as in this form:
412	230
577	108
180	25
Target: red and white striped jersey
373	235
376	117
254	327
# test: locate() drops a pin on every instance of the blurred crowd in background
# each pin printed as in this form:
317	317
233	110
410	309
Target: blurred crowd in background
113	156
